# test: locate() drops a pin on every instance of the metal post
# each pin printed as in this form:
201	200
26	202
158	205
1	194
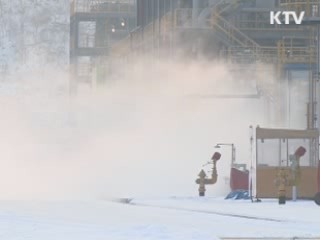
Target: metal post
294	193
159	26
233	157
256	163
172	28
195	12
251	162
318	62
153	29
280	152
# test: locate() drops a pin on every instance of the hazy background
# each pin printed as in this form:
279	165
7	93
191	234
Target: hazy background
34	36
147	133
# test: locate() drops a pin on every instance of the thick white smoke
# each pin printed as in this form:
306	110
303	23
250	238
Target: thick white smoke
146	133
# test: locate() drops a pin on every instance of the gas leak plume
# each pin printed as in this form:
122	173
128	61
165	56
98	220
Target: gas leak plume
146	132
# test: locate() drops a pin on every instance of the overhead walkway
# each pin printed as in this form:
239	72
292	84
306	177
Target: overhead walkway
236	39
309	6
240	47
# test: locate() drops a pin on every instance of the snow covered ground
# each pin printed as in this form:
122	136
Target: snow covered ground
128	142
168	218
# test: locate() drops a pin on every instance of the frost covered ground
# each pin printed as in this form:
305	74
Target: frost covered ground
125	144
169	218
54	147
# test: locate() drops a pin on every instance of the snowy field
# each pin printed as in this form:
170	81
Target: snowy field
147	132
170	218
129	142
84	157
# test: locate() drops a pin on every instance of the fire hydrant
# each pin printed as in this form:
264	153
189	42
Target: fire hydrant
282	182
202	180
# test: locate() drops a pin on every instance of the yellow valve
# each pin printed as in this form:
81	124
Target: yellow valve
282	182
203	180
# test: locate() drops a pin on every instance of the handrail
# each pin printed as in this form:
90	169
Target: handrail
279	54
141	37
264	25
102	6
234	32
300	5
294	2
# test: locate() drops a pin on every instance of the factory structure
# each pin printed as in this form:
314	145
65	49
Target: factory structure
239	33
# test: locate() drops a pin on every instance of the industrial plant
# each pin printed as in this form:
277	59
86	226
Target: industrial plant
160	119
273	38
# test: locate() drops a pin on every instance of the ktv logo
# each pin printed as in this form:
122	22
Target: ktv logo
284	17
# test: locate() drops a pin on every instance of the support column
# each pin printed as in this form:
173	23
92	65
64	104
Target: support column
195	11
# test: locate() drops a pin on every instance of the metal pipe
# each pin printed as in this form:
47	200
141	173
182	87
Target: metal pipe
318	63
159	29
233	151
251	162
279	152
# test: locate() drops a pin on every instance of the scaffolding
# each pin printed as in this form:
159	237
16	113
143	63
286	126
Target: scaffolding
284	48
95	25
102	6
310	7
286	45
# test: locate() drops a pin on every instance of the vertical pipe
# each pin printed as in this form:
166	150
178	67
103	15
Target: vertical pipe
315	79
279	152
195	11
171	27
294	193
159	28
289	77
233	155
153	27
256	165
317	67
287	152
251	163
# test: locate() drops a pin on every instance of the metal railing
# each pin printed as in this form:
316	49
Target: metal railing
103	6
262	25
233	33
244	46
288	53
309	6
280	54
143	39
183	19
